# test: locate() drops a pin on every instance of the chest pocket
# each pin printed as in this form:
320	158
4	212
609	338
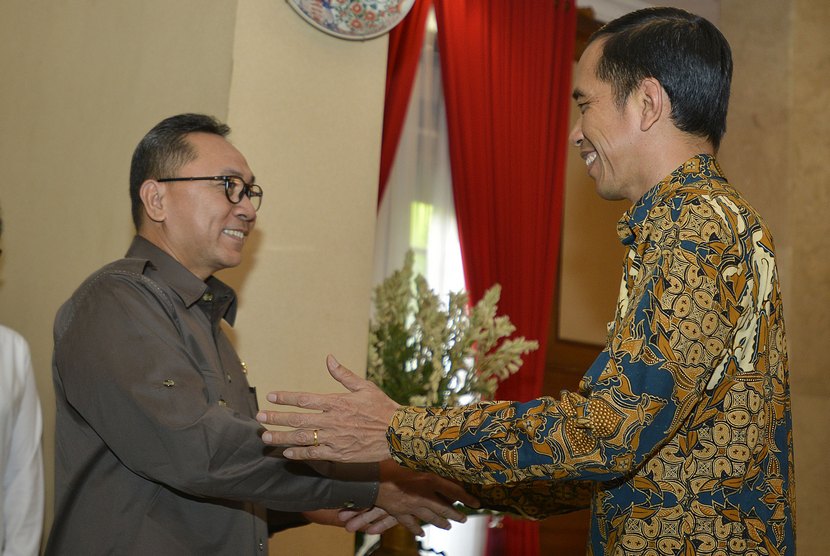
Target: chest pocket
201	345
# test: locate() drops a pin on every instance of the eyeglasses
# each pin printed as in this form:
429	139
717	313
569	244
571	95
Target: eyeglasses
235	188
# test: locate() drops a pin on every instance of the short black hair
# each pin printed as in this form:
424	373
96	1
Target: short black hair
686	53
164	150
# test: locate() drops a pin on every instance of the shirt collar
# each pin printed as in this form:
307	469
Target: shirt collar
185	284
699	168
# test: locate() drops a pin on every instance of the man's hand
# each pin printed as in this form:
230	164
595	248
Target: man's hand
412	498
373	521
351	428
406	497
354	520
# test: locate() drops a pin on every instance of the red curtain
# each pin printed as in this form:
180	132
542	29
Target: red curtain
405	42
506	67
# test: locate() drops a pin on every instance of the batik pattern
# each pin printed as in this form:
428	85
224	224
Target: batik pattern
680	431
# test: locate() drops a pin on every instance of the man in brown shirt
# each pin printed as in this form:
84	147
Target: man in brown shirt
157	448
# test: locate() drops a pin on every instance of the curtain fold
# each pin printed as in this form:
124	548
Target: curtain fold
405	42
506	68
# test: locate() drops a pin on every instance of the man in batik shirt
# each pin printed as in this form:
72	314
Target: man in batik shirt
680	435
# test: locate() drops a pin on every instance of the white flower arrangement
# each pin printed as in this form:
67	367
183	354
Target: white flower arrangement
423	354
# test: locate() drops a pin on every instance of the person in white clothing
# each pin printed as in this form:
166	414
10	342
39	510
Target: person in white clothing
21	463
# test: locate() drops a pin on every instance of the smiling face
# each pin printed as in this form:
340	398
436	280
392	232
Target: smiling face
193	221
607	135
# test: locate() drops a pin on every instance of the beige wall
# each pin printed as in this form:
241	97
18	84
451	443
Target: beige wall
83	81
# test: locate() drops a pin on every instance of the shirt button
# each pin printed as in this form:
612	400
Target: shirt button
229	377
348	505
244	367
207	296
222	403
261	546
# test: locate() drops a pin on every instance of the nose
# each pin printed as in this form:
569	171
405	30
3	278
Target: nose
244	210
575	137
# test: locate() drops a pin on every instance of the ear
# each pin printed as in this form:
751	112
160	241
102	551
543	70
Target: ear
653	102
152	196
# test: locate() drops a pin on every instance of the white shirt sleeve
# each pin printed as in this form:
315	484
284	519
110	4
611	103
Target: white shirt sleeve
21	461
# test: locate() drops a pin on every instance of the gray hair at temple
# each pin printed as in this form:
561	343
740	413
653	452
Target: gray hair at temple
164	150
686	53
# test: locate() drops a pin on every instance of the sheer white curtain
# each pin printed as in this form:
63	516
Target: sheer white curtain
420	187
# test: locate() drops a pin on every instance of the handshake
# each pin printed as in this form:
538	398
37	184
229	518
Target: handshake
407	497
351	428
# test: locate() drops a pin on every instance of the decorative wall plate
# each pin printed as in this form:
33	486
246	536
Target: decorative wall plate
353	19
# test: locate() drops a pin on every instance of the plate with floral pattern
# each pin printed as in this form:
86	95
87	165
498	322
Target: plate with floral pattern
353	19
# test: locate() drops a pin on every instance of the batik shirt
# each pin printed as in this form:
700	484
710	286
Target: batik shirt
680	433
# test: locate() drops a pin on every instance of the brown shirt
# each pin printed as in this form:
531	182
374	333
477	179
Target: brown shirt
157	451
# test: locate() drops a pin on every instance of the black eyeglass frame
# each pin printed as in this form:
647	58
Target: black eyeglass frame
250	190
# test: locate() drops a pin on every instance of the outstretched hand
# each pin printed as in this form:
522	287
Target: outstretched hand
407	497
374	520
350	428
411	498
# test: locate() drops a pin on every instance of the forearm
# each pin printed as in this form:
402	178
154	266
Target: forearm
652	374
534	499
